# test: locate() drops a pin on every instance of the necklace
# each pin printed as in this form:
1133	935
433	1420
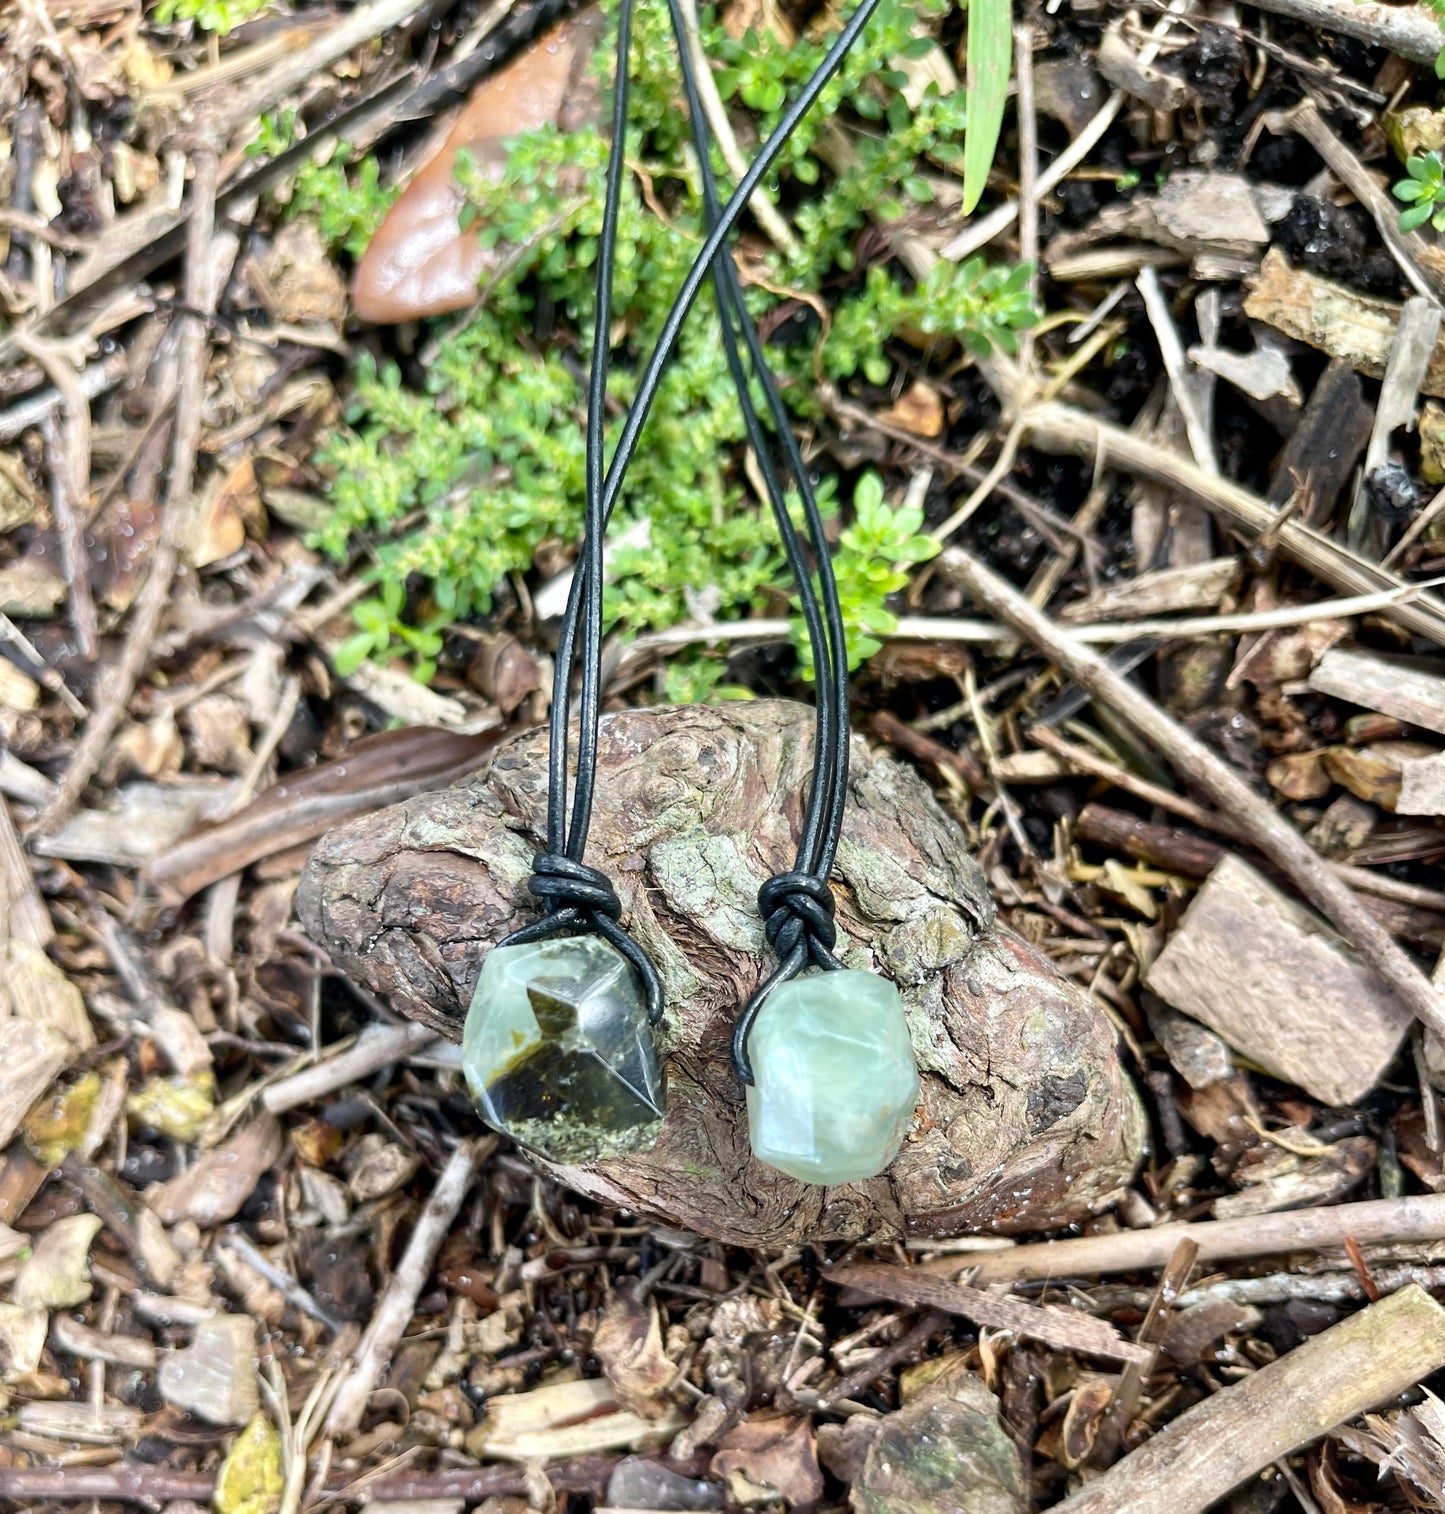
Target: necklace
559	1047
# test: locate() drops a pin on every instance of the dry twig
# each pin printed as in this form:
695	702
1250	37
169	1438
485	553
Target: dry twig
1416	1217
412	1271
150	606
1211	1448
1064	1329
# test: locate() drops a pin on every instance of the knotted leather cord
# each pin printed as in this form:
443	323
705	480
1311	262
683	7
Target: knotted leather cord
577	897
796	906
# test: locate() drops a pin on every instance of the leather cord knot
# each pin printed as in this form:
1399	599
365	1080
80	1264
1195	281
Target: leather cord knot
560	883
797	908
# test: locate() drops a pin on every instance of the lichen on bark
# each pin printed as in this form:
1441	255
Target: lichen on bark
1027	1120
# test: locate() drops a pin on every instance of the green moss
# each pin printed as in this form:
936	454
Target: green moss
453	487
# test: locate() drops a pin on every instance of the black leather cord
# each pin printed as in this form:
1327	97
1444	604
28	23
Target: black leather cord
575	896
796	906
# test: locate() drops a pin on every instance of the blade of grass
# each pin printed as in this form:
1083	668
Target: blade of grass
990	48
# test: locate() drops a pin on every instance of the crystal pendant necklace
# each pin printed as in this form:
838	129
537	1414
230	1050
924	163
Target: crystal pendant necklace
826	1058
558	1048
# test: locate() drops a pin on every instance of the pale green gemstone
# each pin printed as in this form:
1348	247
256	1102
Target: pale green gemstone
558	1052
834	1080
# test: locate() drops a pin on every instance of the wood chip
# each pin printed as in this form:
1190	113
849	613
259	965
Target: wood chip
22	1340
1196	586
214	1377
56	1275
1422	786
1364	678
86	1424
1358	328
1065	1329
212	1190
565	1419
1280	986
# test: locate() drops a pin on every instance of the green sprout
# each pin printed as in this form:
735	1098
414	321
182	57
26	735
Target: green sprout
1423	191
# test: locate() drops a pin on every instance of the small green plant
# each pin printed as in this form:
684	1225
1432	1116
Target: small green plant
477	475
871	563
219	16
979	306
1423	191
381	628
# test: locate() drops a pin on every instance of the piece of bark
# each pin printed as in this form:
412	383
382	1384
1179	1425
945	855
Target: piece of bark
374	771
1165	591
1364	1360
1198	1055
1409	694
1422	786
944	1452
1280	986
1332	432
420	262
1027	1119
1358	328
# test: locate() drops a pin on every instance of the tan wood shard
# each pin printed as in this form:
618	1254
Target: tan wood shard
1280	986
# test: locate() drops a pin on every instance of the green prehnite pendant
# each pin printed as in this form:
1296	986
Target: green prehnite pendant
834	1080
558	1052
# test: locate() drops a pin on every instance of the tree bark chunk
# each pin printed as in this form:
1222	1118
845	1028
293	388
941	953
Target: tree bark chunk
1027	1120
1279	985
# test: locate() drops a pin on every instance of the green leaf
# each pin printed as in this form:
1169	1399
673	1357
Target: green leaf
352	653
920	548
990	49
1408	189
1415	217
868	493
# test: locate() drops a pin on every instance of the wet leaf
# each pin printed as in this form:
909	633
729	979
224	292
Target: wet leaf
628	1344
251	1478
56	1274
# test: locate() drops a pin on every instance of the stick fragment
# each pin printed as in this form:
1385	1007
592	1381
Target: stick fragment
1064	1329
394	1312
1363	1361
1414	1218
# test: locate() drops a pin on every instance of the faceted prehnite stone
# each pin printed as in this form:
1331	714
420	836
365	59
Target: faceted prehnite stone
834	1080
558	1052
